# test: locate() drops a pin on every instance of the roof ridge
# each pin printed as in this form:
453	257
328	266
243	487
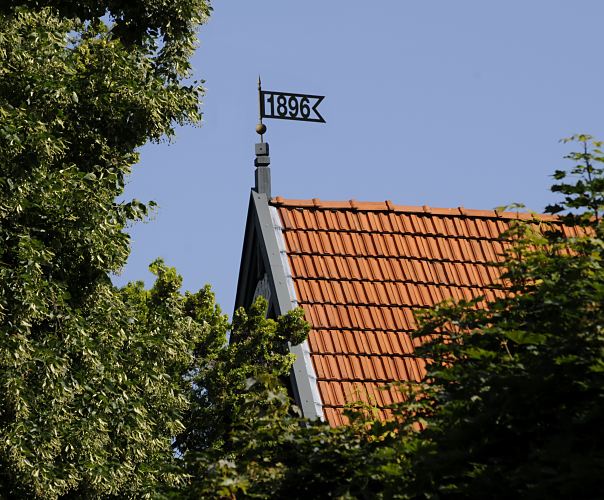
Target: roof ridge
388	206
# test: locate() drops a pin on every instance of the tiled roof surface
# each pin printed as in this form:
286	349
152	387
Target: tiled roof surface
361	269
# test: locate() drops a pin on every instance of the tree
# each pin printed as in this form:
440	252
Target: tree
91	387
239	404
513	400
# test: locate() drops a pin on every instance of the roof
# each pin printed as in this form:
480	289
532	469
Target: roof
360	270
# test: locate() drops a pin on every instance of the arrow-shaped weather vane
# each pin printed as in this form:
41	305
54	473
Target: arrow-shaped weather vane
288	106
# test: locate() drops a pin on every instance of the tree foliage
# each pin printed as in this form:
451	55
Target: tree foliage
513	400
162	31
91	392
239	404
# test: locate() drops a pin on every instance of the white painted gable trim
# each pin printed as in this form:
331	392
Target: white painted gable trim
304	371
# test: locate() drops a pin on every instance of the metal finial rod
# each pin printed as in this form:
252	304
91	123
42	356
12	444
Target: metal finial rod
260	128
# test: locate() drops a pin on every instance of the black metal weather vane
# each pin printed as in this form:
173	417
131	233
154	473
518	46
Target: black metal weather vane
287	106
282	106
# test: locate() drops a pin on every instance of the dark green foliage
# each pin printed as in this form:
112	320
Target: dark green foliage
587	192
514	397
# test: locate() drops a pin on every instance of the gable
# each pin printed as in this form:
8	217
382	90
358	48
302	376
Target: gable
265	271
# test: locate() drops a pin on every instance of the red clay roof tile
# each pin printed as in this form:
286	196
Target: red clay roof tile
361	269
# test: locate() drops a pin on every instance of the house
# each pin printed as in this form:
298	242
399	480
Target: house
360	270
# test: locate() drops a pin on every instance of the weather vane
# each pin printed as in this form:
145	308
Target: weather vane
287	106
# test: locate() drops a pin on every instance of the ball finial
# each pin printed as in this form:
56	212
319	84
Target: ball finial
260	128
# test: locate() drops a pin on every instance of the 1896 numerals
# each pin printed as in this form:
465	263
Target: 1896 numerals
288	106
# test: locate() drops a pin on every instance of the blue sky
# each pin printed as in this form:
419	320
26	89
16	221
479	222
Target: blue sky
429	102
